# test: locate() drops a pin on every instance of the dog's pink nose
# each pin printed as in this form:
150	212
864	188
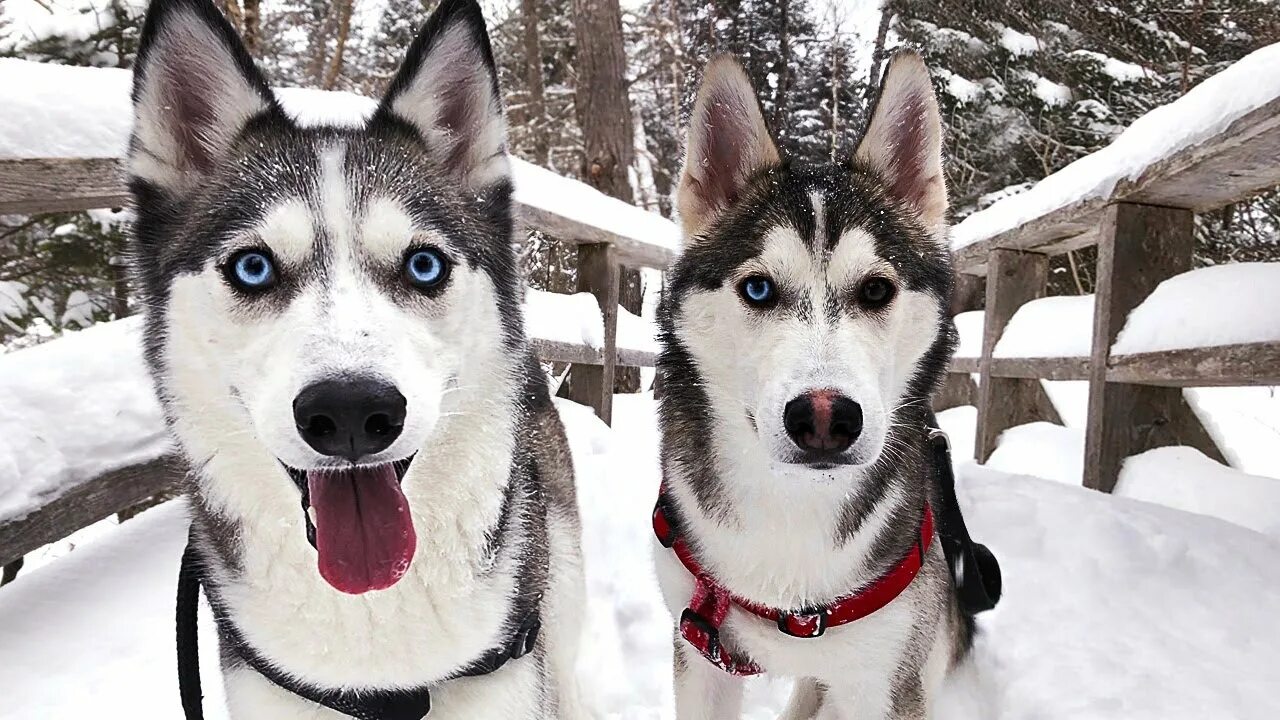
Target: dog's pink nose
822	421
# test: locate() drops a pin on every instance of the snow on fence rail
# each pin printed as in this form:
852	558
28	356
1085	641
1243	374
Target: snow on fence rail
63	133
1155	330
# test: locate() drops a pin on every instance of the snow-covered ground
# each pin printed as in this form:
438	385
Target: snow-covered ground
1113	608
1208	108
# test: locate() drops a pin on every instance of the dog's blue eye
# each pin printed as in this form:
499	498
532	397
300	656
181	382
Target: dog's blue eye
426	268
253	270
758	290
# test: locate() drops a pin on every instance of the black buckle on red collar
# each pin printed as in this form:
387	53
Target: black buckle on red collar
803	624
700	633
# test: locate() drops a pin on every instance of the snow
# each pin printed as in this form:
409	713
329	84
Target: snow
13	301
1113	608
1050	93
1219	305
958	87
1059	326
1208	307
1186	479
576	319
636	333
60	111
74	408
969	326
1244	422
1207	109
564	318
1042	449
1118	69
1018	43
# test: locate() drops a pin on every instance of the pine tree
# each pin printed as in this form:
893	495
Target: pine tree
1028	87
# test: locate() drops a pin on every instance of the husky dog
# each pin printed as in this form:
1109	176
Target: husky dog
804	329
381	492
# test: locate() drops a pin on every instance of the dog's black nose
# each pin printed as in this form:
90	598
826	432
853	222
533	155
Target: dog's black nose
349	418
822	421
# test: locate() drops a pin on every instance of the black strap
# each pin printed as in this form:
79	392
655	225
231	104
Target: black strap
409	704
974	568
188	641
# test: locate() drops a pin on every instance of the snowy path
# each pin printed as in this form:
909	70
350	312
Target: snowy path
1113	608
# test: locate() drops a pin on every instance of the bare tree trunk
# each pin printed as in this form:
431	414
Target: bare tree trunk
877	55
234	14
536	112
604	113
252	24
784	71
344	31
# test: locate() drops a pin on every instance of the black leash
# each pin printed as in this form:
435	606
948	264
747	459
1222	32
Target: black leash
974	568
409	704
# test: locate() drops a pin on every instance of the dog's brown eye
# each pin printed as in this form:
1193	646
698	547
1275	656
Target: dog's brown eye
876	292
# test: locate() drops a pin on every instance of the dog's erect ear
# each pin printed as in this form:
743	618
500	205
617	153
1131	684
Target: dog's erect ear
448	90
194	90
728	144
904	139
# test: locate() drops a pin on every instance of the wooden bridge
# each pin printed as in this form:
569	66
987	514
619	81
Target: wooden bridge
1142	228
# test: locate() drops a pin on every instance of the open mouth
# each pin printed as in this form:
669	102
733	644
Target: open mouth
359	522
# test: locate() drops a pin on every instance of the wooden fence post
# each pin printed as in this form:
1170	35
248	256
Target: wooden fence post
958	388
598	274
1014	277
1138	247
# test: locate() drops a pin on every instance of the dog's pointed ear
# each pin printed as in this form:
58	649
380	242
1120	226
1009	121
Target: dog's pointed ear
728	144
904	140
447	89
195	88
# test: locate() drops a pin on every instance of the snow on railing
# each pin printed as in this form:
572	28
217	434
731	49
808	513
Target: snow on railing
1184	138
1152	328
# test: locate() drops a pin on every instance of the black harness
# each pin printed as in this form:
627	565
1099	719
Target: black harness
410	704
974	569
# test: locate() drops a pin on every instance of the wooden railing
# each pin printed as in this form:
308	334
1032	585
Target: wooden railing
1143	230
30	186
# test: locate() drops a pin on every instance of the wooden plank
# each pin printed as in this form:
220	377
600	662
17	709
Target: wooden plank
87	503
1228	167
592	385
1140	246
630	251
1234	164
1222	366
579	354
965	365
1056	368
29	186
60	185
1013	278
1054	230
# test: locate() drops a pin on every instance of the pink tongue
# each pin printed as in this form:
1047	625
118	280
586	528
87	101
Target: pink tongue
364	534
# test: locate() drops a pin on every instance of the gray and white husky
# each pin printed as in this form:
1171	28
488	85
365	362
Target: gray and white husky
804	328
381	490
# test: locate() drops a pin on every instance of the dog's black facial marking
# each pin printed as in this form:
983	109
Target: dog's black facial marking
852	197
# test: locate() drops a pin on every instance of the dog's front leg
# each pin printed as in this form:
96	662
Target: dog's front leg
806	699
704	691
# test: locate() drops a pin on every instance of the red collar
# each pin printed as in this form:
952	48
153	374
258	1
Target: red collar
700	622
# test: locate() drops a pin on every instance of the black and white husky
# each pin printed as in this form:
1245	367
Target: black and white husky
381	492
804	328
